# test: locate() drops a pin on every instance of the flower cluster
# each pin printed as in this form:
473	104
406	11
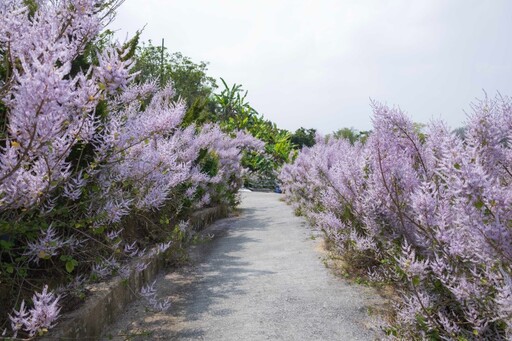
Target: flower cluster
83	147
38	319
48	111
148	292
427	210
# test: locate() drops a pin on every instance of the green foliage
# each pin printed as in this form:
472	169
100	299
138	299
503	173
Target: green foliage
235	113
201	111
229	108
346	133
460	132
209	162
303	137
70	262
350	134
419	129
190	80
32	7
232	104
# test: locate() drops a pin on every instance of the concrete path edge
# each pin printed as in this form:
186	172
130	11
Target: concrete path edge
108	299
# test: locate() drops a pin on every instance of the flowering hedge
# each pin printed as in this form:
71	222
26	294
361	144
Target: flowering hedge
430	212
83	147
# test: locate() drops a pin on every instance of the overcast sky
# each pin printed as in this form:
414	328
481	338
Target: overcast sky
317	63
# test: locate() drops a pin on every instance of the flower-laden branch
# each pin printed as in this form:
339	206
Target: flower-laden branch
83	148
434	210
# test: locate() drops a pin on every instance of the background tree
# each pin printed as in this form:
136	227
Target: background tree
460	132
349	134
229	108
303	137
235	113
190	80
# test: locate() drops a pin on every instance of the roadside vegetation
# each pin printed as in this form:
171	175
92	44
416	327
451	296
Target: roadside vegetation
106	148
105	151
422	208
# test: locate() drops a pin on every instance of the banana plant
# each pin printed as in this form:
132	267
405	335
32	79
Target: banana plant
235	113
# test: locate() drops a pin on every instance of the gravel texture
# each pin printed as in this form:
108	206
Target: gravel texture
261	277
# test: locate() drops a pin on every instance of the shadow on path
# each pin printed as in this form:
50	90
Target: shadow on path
258	278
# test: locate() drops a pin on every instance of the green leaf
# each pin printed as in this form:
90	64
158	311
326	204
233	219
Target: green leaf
99	230
421	322
70	265
416	280
6	245
10	268
479	204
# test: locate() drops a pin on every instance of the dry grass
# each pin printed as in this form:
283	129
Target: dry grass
383	295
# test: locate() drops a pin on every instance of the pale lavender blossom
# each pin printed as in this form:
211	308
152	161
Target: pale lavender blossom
141	266
101	270
431	209
46	246
162	305
184	226
44	313
113	72
205	200
48	111
75	286
162	247
114	234
131	249
189	193
105	268
149	293
116	209
124	271
140	155
39	318
19	319
409	263
73	188
148	290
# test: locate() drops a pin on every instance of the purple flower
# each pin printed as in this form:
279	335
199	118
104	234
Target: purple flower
162	247
148	292
46	246
141	266
39	318
131	249
433	211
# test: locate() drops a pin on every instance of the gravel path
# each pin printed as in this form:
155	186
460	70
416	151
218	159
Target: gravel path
260	278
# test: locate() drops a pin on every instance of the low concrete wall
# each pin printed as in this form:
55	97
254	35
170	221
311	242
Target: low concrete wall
108	299
200	219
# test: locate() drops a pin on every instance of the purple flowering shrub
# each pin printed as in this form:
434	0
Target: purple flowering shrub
84	150
429	212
